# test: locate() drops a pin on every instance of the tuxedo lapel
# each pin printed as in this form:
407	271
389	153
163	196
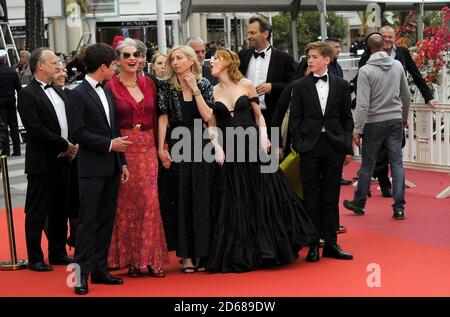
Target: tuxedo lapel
110	106
246	61
43	96
313	93
96	99
331	92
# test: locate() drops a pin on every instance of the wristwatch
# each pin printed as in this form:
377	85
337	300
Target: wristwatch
197	92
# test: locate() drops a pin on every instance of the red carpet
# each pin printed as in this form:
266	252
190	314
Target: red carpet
413	255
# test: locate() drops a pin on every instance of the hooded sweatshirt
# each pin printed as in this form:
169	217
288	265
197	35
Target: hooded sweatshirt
383	92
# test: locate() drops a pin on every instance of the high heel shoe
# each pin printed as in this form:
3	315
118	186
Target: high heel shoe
158	272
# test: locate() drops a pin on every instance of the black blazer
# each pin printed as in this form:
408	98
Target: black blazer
44	141
88	126
280	73
306	119
404	57
206	73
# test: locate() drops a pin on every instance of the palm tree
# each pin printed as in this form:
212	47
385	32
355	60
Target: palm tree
34	29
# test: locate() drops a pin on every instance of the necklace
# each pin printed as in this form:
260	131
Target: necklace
132	85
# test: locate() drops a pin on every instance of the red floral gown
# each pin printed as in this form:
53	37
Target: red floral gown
138	238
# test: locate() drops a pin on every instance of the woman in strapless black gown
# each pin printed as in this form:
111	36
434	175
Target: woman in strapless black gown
257	220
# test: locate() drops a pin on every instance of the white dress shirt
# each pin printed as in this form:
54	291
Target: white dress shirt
60	108
101	93
394	52
257	71
323	88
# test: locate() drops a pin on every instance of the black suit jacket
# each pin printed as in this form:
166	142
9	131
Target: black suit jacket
44	141
206	73
88	126
404	57
280	73
306	119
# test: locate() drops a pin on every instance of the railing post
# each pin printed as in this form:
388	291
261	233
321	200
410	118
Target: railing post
14	264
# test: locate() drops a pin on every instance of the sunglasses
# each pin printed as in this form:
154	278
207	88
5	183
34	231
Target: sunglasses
127	55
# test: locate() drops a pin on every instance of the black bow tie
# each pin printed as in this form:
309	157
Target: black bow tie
48	86
262	54
100	84
324	78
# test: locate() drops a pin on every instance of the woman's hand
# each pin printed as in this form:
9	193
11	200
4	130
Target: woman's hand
265	143
165	158
219	155
191	81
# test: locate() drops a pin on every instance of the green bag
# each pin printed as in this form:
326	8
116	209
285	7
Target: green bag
291	168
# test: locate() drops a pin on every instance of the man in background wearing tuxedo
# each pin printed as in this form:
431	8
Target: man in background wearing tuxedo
269	69
321	127
101	165
43	109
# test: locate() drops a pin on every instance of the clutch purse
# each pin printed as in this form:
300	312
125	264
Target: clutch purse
291	168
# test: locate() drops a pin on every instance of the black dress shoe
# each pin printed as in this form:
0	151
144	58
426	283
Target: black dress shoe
15	154
313	254
83	288
105	278
351	205
334	251
62	261
40	267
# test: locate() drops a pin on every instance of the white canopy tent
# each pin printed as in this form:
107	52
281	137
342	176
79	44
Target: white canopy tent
295	6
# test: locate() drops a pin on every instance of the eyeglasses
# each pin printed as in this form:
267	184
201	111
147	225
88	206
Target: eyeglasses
127	55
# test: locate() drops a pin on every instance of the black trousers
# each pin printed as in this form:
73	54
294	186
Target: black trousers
98	202
321	171
8	114
47	198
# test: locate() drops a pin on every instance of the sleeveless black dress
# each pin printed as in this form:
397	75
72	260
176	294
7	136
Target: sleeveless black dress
257	220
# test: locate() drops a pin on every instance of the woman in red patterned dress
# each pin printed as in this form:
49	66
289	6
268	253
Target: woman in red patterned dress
138	240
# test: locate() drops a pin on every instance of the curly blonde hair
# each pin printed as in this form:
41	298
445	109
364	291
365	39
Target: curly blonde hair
195	68
230	62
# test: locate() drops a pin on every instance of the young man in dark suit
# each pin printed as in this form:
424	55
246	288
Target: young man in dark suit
269	69
43	109
321	127
101	165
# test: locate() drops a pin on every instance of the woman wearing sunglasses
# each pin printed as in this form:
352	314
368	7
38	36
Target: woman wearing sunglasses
138	240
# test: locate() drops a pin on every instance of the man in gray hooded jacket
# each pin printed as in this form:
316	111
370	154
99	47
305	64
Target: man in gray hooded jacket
381	113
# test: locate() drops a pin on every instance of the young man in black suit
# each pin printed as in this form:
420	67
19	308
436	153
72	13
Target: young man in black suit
269	69
101	165
43	109
321	128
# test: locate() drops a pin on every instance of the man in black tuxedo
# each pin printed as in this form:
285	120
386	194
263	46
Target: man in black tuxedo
269	69
199	47
43	109
101	165
321	127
